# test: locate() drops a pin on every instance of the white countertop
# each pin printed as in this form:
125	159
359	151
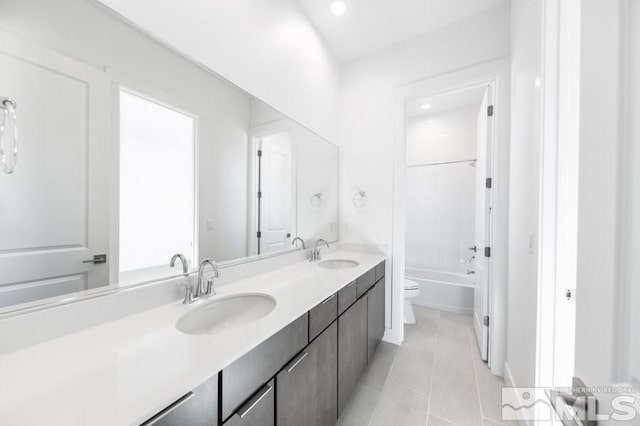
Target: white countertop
125	371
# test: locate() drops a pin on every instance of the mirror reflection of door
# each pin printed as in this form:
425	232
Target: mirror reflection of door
276	218
54	208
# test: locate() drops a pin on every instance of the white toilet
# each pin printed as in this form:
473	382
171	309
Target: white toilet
411	291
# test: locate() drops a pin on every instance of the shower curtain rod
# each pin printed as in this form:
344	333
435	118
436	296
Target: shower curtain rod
471	161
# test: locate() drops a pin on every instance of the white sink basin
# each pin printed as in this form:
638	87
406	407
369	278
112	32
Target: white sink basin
220	314
338	264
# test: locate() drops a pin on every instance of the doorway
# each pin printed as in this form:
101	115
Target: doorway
449	139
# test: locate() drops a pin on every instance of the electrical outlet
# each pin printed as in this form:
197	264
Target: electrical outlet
531	242
210	224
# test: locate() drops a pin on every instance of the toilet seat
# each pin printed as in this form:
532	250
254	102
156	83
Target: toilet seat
411	285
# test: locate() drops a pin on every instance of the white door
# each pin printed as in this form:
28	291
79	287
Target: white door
607	195
276	206
54	207
482	225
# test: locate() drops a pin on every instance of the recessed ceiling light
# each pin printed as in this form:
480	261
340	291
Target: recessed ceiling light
429	121
338	8
425	106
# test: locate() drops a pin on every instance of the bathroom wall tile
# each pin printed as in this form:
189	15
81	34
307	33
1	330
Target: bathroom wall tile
400	406
361	407
379	366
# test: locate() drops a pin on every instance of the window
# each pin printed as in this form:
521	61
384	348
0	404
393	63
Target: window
157	187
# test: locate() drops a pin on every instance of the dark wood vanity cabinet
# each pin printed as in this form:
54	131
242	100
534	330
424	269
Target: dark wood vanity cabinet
245	376
375	317
352	349
197	408
307	386
304	374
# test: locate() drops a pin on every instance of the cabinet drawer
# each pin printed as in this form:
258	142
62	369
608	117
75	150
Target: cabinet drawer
242	378
346	297
365	281
380	268
259	410
322	315
197	408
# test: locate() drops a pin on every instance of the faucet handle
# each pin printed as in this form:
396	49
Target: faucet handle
209	289
188	295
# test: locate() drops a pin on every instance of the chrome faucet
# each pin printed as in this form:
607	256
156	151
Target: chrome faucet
315	253
183	260
201	289
293	242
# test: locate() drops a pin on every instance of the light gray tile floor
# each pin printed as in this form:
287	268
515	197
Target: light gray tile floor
435	378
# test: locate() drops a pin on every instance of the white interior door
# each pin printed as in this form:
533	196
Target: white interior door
482	226
54	207
276	211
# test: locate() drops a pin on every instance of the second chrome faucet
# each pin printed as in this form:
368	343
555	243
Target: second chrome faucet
202	288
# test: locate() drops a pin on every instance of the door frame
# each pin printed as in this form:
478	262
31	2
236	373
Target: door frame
496	73
255	133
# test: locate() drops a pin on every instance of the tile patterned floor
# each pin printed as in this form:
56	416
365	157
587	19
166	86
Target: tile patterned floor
435	378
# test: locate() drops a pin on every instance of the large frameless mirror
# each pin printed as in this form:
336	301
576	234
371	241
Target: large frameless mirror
130	153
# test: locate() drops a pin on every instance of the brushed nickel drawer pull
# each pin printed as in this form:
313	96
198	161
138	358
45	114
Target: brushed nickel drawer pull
296	362
244	411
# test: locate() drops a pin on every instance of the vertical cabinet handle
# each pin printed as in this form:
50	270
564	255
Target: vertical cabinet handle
254	401
297	361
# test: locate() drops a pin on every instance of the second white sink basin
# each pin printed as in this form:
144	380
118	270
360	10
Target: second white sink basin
220	314
338	264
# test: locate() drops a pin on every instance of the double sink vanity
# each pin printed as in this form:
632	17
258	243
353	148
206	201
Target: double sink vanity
304	374
282	347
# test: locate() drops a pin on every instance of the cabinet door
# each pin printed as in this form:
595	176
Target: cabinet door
245	376
308	385
352	350
375	317
197	408
258	411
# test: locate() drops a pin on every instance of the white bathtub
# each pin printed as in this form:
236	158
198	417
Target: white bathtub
448	291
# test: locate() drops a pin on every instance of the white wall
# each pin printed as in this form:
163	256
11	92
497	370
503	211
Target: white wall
441	198
268	48
367	120
526	22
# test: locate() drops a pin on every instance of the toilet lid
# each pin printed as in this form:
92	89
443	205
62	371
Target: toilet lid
411	285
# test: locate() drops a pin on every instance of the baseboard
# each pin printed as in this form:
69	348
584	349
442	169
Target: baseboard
391	336
447	308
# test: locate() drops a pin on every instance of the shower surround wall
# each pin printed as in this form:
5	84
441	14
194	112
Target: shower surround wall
441	207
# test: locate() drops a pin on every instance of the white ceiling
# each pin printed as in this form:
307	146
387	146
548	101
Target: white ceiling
446	101
370	25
